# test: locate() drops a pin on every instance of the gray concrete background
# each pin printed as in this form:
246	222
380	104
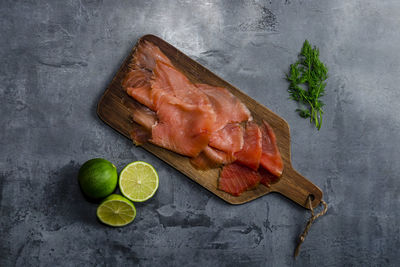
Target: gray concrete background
57	57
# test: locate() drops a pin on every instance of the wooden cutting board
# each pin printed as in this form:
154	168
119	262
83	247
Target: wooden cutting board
115	106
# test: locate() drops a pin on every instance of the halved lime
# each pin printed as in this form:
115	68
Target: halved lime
138	181
116	211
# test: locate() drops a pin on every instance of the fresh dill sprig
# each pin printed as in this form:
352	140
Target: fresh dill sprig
307	83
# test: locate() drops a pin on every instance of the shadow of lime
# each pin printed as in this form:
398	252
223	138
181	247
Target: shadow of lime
63	201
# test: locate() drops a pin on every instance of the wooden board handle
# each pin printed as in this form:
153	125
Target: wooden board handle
297	188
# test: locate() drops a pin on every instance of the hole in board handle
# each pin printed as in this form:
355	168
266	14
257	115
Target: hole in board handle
311	196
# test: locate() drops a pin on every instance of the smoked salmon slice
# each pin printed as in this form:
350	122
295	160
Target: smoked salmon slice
229	139
226	106
146	55
185	115
271	158
235	179
139	134
267	178
142	94
211	158
137	84
218	156
201	121
181	128
143	115
136	78
202	162
251	152
168	80
137	81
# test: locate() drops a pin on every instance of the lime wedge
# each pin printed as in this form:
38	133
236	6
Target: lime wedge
116	211
138	181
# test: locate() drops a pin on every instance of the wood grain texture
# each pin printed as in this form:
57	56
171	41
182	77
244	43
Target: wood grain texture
115	107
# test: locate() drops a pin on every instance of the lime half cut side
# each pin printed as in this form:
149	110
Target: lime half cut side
116	211
138	181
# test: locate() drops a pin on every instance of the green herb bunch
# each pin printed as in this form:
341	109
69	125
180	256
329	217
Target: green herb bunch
307	83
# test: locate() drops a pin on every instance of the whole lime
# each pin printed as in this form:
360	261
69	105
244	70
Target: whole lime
98	178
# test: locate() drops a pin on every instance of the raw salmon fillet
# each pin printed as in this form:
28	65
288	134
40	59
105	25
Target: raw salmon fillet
251	152
229	139
271	158
235	179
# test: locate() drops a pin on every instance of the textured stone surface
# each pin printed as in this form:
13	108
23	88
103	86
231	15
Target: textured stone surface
56	60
